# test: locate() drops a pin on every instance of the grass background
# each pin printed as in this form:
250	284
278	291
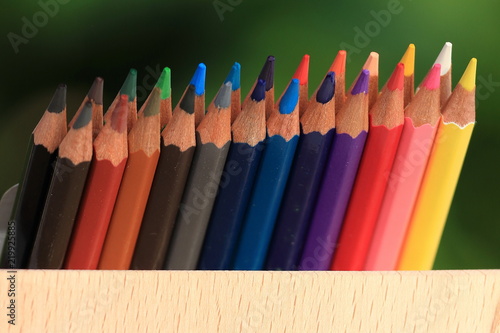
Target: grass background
85	39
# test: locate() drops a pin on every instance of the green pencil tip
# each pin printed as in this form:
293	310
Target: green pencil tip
129	87
164	83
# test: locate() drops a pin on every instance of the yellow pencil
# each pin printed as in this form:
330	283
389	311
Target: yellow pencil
441	176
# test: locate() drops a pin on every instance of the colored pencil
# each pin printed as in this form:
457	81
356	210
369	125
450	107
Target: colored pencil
128	88
386	123
98	200
444	59
164	84
64	194
266	75
317	130
213	137
249	132
338	178
338	67
408	60
95	97
282	137
441	176
176	154
371	64
421	119
7	229
234	78
144	150
302	74
198	81
38	170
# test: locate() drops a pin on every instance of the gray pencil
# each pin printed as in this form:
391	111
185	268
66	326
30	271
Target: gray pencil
213	137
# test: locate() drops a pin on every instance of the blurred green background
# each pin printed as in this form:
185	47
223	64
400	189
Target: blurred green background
84	39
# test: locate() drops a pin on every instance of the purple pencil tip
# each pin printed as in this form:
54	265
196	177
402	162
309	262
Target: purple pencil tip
361	85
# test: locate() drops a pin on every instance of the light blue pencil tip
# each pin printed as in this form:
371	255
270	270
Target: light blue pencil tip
290	98
198	80
234	76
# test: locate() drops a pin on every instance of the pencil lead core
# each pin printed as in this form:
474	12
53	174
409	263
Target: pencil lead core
58	101
153	103
433	79
95	91
223	99
361	85
290	98
338	65
267	72
327	89
444	58
259	92
119	115
84	117
234	76
396	81
302	72
164	83
198	80
187	102
408	60
468	80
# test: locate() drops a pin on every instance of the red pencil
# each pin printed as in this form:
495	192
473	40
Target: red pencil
103	182
386	124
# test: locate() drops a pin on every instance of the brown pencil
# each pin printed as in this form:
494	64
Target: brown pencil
95	97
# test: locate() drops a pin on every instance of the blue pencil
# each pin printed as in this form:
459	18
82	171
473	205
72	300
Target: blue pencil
317	129
249	132
283	135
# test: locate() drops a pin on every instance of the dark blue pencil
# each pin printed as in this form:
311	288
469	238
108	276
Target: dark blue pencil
249	132
317	129
283	131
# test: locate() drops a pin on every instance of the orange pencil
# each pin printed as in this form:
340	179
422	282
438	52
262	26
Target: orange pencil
144	150
338	66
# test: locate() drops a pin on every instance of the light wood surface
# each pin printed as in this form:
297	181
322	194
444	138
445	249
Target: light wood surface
206	301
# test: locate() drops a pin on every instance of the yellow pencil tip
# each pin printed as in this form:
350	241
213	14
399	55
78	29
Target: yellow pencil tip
408	60
468	80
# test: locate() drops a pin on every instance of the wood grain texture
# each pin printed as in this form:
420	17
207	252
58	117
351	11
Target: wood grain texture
207	301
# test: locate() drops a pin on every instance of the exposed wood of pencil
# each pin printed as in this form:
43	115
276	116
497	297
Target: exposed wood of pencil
386	110
61	206
318	116
250	126
177	148
267	75
419	111
352	123
302	74
96	207
144	150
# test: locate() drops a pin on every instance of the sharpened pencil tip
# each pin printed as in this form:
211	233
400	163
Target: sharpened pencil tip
58	102
259	92
187	102
371	63
302	72
164	83
119	115
267	73
396	81
84	117
223	99
338	65
468	80
198	80
433	79
129	87
234	76
153	103
361	85
444	58
95	91
408	60
290	98
327	89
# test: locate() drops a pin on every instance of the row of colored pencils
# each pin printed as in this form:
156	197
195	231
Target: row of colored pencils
343	180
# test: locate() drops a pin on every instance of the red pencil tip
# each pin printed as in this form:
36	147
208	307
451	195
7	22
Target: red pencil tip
119	115
396	80
302	72
433	79
338	65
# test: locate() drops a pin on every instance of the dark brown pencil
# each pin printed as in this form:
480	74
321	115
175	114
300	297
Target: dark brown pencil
176	153
42	153
95	97
65	191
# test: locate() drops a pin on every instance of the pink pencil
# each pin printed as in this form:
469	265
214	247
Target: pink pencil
421	118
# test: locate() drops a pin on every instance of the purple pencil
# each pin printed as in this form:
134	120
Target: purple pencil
335	190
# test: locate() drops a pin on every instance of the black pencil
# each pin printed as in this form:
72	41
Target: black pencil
65	191
42	153
213	137
176	154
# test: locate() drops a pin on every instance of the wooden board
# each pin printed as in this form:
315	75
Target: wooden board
206	301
